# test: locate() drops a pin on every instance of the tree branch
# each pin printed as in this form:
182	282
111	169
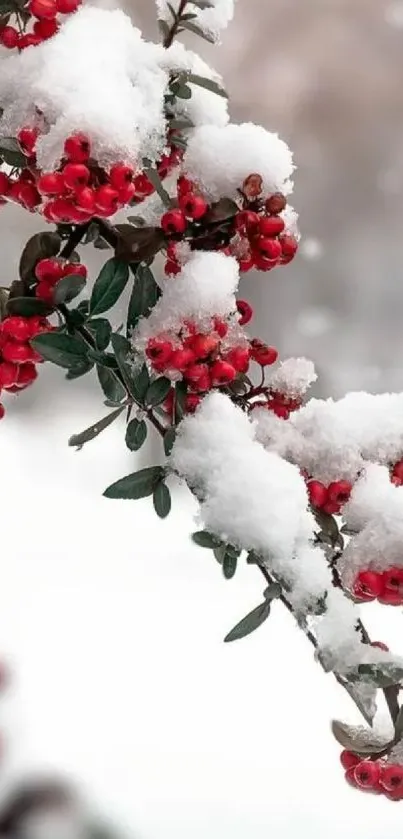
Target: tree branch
170	37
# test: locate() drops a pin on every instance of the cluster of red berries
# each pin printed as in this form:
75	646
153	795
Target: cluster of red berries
384	586
45	22
280	403
17	357
80	189
375	776
204	360
48	272
258	239
330	499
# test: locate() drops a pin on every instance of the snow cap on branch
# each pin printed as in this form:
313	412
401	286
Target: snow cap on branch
293	377
97	76
204	106
212	16
220	158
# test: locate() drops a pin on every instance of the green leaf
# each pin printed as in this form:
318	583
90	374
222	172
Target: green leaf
109	286
358	739
80	369
249	623
204	539
101	329
229	565
137	485
162	500
11	153
3	302
180	123
172	10
273	591
169	439
64	350
220	553
136	434
399	725
183	91
203	4
122	349
138	244
40	246
223	210
144	296
94	430
155	179
28	306
178	141
110	384
382	675
68	288
158	391
180	401
208	84
197	30
164	28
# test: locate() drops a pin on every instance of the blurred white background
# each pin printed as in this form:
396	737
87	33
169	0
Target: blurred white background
111	620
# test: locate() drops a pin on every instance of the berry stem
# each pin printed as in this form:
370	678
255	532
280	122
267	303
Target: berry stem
170	37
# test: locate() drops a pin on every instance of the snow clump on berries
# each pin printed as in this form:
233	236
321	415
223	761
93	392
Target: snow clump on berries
211	20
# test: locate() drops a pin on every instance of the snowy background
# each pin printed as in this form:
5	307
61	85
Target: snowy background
111	620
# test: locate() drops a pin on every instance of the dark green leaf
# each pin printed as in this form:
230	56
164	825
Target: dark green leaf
178	141
155	179
169	439
197	30
220	553
136	434
272	592
399	725
158	391
229	565
11	153
162	500
28	306
208	84
140	383
80	369
109	286
4	292
180	400
137	485
104	359
65	350
204	539
110	384
138	221
250	622
144	296
94	430
180	123
122	349
40	246
68	288
138	244
101	329
358	739
172	10
382	675
221	211
188	16
183	91
203	4
164	28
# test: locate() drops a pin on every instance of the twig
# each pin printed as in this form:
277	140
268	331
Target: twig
170	36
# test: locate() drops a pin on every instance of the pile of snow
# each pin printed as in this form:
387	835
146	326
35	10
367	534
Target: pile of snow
204	107
220	158
293	377
211	20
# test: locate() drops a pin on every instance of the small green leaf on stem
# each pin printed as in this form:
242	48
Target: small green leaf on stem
229	565
357	738
204	539
144	296
251	622
158	391
197	30
108	286
208	84
68	288
110	384
156	181
90	433
101	329
28	306
64	350
162	500
169	440
164	28
137	485
136	434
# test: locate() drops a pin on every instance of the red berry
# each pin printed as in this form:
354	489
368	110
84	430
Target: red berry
27	374
29	40
289	246
348	759
271	226
46	28
29	196
263	354
17	327
220	327
159	351
368	585
77	148
245	311
192	401
8	374
143	185
5	184
392	777
247	263
27	138
76	175
39	325
331	508
367	774
393	584
318	496
181	359
247	222
121	175
184	186
9	37
51	183
269	248
380	645
397	471
44	291
61	210
252	186
172	268
276	203
239	358
196	372
49	270
106	199
76	268
85	199
43	8
279	409
173	221
2	411
339	492
17	352
193	206
67	7
203	345
222	373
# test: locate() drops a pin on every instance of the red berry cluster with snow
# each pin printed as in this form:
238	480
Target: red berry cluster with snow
381	777
18	359
17	33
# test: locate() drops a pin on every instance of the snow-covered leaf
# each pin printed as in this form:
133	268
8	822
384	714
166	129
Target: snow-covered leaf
358	739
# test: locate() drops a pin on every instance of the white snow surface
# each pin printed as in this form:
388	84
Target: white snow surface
210	20
220	158
293	377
